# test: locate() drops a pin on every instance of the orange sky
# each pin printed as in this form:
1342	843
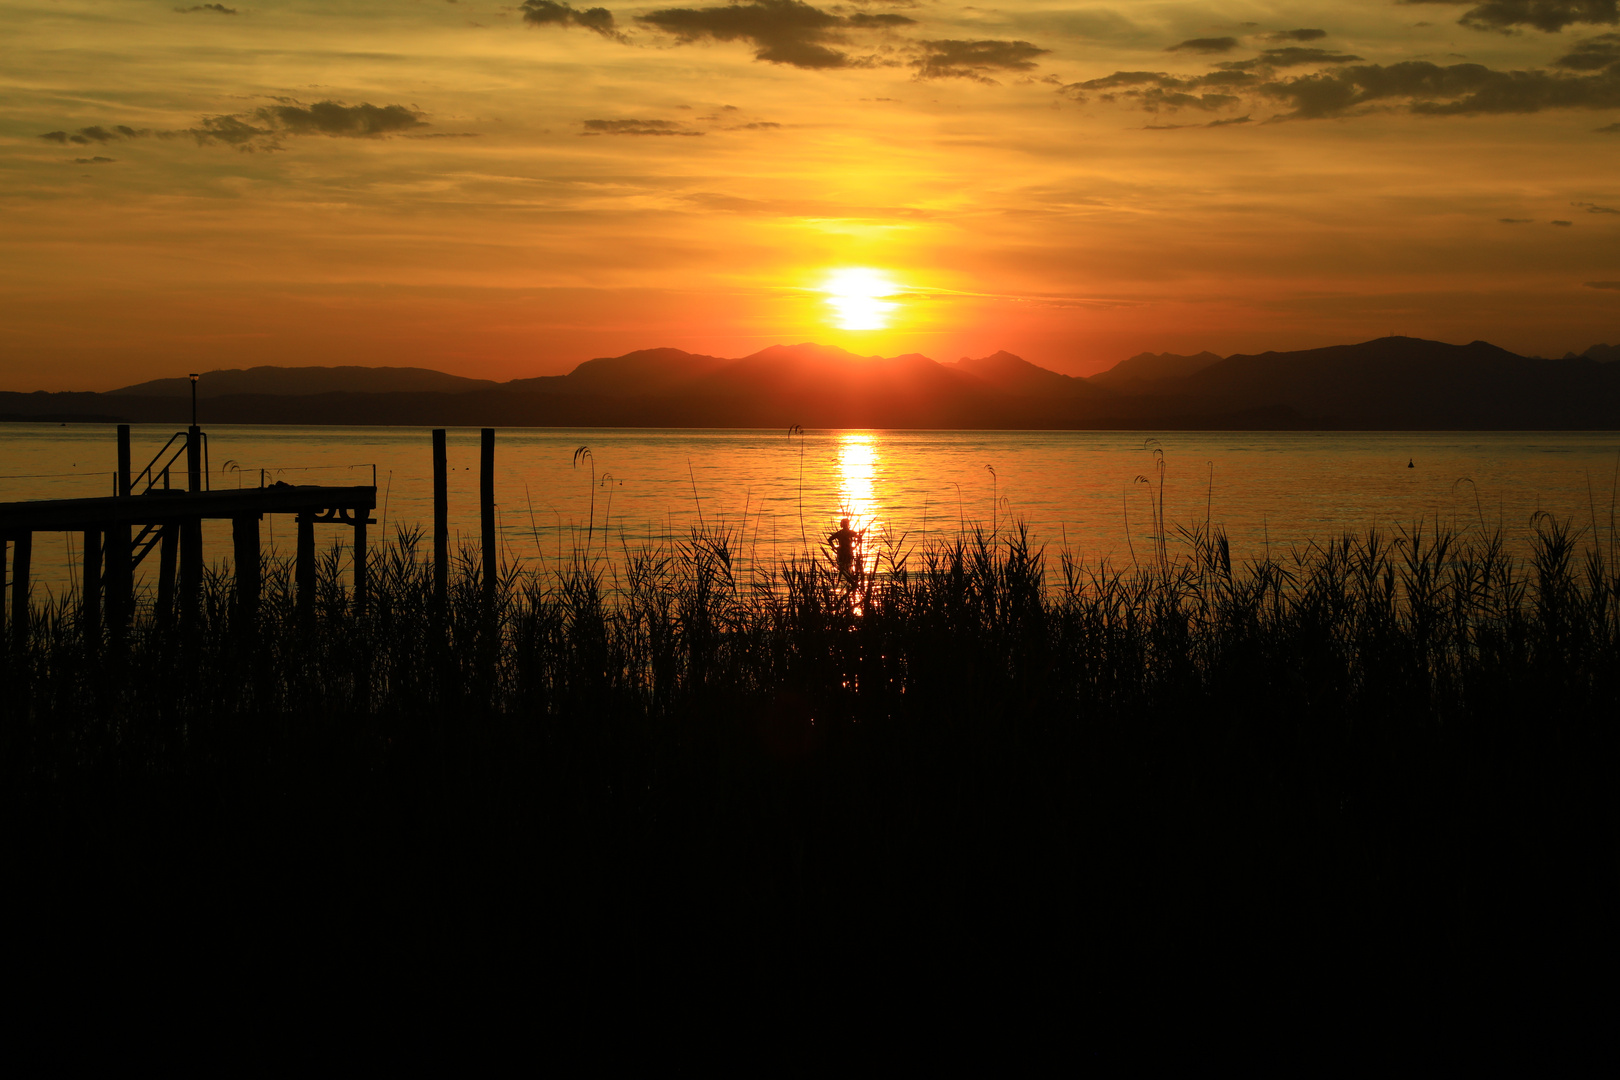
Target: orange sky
504	191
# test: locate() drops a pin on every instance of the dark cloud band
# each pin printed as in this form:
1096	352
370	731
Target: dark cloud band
1589	79
263	128
346	121
1206	45
96	135
550	13
1550	16
781	31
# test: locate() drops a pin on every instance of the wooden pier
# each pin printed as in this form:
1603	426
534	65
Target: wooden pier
146	514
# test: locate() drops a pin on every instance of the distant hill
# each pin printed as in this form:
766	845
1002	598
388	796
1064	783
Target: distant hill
1013	374
1142	372
1387	383
1401	382
646	371
307	380
1603	354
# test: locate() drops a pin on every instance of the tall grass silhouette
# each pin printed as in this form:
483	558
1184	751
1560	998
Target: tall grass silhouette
1378	748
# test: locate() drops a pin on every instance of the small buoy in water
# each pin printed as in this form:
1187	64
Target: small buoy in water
1409	464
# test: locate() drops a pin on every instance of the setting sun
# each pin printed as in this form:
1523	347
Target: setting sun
858	296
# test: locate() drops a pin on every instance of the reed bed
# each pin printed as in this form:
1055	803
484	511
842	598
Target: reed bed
1378	749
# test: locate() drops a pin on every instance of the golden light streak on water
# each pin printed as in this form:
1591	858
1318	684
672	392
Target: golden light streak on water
858	461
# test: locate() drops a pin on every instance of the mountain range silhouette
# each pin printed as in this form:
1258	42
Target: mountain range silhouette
1391	383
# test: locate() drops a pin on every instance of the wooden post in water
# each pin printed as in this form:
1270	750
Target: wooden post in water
191	556
120	558
304	567
194	458
22	557
123	460
191	566
120	576
361	585
441	521
486	509
168	548
90	610
245	541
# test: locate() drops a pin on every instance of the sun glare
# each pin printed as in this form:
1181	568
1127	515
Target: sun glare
859	298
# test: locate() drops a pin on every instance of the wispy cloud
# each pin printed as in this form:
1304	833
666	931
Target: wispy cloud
1295	35
635	127
1594	54
1210	124
1205	45
96	135
347	121
974	59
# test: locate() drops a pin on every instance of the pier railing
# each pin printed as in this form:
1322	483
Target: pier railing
153	472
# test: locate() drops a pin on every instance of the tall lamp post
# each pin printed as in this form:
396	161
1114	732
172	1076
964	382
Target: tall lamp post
194	444
191	528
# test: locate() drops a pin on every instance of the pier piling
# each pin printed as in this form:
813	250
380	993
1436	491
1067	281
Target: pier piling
245	541
486	508
304	566
168	549
191	566
120	576
191	556
22	557
361	585
123	459
194	458
90	601
441	521
119	550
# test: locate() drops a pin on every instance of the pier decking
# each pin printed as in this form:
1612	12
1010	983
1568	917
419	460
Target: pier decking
121	530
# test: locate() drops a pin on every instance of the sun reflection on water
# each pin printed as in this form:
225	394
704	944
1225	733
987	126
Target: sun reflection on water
857	498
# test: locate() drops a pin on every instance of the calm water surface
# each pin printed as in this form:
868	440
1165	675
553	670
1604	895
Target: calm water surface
1270	490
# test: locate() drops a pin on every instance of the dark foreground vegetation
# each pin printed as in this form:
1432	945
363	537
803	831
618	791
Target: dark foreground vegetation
1385	755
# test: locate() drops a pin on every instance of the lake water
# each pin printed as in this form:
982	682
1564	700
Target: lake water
1269	490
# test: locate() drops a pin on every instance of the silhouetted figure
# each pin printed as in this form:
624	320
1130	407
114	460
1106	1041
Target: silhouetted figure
1409	464
845	541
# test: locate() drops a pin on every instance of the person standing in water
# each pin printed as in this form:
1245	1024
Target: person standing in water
845	541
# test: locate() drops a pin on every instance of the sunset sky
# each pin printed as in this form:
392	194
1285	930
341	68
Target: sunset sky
507	190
